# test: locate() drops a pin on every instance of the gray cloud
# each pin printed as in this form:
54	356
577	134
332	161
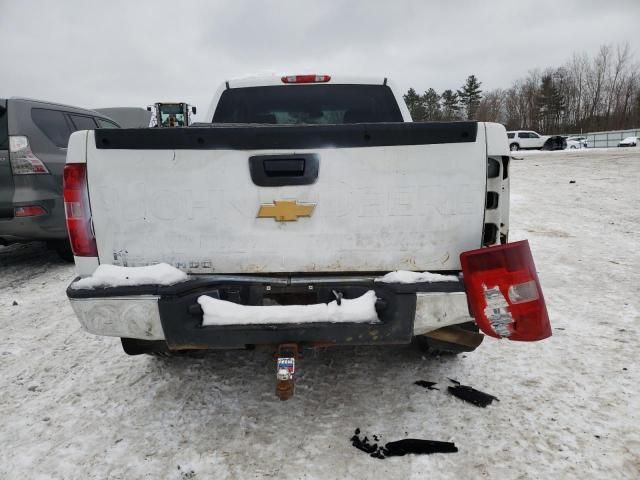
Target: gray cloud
134	53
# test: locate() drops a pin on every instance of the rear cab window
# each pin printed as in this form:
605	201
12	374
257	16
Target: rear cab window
308	104
53	124
4	125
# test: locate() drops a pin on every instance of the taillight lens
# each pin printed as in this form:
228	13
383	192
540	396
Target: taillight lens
504	292
77	210
306	78
23	161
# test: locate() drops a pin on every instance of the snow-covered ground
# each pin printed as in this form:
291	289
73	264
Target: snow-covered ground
74	406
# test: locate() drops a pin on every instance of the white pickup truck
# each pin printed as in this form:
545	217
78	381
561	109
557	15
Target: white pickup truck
307	210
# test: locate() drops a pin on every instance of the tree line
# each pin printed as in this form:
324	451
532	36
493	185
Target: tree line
587	93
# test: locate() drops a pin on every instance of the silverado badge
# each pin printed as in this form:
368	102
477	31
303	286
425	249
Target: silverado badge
286	210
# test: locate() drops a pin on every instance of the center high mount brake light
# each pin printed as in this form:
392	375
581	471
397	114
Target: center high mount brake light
306	78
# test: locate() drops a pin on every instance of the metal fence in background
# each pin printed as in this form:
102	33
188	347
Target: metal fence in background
607	139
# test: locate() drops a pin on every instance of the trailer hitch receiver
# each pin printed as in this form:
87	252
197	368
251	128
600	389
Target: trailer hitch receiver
285	370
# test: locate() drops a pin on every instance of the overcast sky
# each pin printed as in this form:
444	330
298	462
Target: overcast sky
132	53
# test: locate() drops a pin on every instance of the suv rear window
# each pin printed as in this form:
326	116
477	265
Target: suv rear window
53	124
510	135
4	126
308	104
83	123
102	123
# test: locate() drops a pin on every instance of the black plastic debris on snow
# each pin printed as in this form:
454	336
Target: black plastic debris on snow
417	446
363	444
425	384
471	395
401	447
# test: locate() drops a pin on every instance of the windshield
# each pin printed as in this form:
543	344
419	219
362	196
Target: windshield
172	115
308	104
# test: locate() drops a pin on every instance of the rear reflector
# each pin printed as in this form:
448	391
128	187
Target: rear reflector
504	292
77	210
306	79
29	211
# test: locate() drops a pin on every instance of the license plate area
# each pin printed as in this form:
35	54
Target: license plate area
181	317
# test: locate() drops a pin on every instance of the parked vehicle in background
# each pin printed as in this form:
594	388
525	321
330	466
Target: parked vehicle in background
128	117
577	142
526	140
33	148
629	142
555	142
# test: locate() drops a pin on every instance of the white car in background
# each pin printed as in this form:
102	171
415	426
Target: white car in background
629	142
577	142
526	140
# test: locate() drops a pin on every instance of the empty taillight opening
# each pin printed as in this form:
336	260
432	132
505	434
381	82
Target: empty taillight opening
313	78
29	211
504	293
493	200
77	211
490	234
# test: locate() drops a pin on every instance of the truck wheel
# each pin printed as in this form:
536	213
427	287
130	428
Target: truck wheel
134	346
434	346
63	249
514	147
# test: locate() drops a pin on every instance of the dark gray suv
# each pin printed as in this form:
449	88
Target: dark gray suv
33	147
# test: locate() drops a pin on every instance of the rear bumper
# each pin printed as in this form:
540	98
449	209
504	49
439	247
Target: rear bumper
172	313
50	226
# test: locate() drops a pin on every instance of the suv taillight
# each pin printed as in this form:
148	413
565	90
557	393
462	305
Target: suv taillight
77	210
504	292
22	159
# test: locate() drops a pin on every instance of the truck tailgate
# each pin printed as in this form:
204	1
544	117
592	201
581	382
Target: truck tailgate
385	197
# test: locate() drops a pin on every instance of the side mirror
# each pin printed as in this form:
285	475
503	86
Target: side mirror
193	109
148	109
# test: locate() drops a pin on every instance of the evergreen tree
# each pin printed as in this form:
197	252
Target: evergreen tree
450	105
550	104
415	104
470	96
431	101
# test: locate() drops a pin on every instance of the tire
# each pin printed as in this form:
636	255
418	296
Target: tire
573	147
435	347
133	346
514	147
63	249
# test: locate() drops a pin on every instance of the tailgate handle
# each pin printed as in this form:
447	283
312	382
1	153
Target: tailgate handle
284	167
281	170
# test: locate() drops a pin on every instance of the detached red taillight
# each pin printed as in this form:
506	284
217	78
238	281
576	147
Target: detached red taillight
77	211
306	78
504	292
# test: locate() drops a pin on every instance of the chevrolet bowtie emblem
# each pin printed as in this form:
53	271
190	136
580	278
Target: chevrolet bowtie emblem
286	210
